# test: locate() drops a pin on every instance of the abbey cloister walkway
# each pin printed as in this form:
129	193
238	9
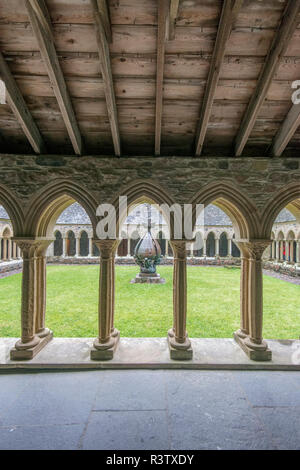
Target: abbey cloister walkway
252	210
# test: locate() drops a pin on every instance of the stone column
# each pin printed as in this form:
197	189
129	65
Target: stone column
8	249
298	252
90	247
229	248
204	247
1	248
277	257
243	332
41	259
4	249
77	247
258	349
14	251
105	344
217	247
64	253
179	343
29	344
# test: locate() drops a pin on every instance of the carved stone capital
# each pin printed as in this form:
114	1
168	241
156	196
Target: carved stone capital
179	248
107	247
253	249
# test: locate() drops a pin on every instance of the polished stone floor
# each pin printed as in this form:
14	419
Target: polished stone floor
154	410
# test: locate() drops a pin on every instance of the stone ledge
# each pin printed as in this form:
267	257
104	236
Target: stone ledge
152	353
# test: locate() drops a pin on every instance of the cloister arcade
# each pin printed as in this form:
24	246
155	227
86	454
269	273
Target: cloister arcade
34	233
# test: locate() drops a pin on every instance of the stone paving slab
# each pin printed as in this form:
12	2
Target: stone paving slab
153	353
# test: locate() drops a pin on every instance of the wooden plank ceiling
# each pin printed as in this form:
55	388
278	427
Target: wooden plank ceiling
150	77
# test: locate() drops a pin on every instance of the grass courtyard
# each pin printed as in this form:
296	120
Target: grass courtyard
146	310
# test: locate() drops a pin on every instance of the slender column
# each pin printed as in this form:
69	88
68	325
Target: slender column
14	250
113	330
256	249
1	248
64	247
178	337
8	249
77	247
90	247
243	332
298	252
41	259
204	247
217	247
4	249
229	248
105	340
28	305
277	251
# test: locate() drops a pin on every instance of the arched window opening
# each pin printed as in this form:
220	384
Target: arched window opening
223	245
84	244
210	245
235	250
58	244
71	244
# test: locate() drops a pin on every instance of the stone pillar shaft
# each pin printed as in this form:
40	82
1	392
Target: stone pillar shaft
178	338
90	247
107	336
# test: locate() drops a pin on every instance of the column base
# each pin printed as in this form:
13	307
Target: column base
260	355
105	353
240	333
19	354
43	333
180	351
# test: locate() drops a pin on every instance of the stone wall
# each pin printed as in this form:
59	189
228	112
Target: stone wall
182	178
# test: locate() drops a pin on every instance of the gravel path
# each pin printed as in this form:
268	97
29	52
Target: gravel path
282	277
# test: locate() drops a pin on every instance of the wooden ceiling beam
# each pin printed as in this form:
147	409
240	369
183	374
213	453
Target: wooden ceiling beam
17	104
48	53
289	23
286	131
174	5
229	13
105	64
161	40
104	13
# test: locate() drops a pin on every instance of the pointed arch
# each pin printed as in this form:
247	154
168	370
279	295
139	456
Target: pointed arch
140	192
289	198
51	201
14	210
241	210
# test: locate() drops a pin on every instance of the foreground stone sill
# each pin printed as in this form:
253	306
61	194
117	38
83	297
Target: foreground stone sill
152	353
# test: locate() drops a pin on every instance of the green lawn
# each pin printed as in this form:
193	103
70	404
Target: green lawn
146	310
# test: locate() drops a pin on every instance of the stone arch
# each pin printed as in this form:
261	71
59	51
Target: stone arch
291	235
289	198
49	203
142	192
239	208
14	210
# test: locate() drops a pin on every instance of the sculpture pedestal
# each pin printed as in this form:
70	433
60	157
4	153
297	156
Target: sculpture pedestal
148	278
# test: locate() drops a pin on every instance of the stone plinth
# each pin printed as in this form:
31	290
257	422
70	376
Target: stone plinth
27	354
148	278
255	355
105	354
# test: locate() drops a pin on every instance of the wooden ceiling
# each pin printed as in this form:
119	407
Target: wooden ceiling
150	77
